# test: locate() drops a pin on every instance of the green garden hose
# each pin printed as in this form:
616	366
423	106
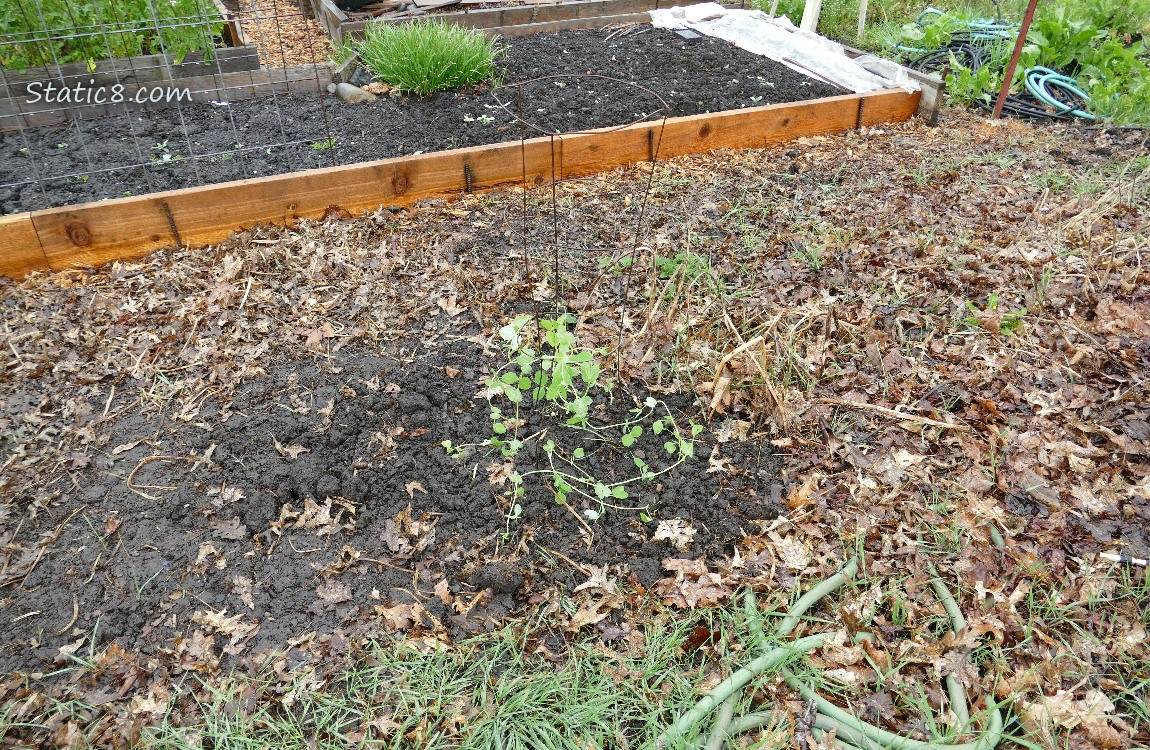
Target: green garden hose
975	31
812	597
850	732
736	682
970	46
854	730
1039	79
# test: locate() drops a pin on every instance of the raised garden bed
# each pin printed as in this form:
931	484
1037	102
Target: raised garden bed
173	430
707	76
517	19
700	77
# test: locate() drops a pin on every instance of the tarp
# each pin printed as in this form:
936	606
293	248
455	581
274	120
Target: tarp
780	40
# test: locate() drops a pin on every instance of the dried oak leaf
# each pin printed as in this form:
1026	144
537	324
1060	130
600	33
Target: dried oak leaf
318	518
678	532
288	451
792	553
197	653
587	615
315	336
232	628
399	617
155	702
1112	316
1063	710
242	586
692	586
334	592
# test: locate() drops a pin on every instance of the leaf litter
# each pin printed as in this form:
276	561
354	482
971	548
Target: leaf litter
945	333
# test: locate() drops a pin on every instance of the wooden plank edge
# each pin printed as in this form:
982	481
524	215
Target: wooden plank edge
889	105
535	16
22	253
930	83
570	24
95	233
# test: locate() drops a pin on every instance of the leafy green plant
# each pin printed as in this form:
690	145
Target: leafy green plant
427	56
563	379
933	35
695	265
687	272
967	86
48	32
615	265
1099	43
1007	322
339	52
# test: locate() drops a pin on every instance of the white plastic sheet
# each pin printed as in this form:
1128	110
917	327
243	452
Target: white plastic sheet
779	39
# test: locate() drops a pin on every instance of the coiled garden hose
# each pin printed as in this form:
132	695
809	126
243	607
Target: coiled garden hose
980	31
990	27
1040	80
850	732
967	55
1046	89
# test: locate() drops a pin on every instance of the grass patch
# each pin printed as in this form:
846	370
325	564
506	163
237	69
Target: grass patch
491	692
427	56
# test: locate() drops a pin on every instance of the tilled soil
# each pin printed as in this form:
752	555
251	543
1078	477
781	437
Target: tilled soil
205	143
323	491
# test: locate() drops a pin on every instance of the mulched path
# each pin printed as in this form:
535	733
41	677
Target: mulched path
212	456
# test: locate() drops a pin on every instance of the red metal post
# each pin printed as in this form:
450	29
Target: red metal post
1014	58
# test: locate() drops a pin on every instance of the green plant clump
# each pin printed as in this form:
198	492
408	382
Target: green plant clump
562	380
37	33
427	56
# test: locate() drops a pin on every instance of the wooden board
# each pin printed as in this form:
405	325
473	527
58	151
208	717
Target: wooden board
893	105
20	251
94	233
330	18
132	70
519	15
570	24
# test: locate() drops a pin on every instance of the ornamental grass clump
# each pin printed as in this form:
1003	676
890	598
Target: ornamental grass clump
427	56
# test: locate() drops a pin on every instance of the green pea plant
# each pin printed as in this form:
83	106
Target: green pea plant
563	378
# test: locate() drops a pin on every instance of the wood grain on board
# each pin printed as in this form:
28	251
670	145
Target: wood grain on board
94	233
517	15
891	105
20	251
570	24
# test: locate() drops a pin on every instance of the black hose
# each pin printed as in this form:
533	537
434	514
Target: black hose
972	51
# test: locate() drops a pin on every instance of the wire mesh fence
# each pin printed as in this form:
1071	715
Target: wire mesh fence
123	97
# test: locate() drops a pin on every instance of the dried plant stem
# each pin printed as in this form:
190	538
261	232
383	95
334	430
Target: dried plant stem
893	413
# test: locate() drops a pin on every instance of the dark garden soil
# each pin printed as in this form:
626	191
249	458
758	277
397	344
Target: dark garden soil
204	143
322	499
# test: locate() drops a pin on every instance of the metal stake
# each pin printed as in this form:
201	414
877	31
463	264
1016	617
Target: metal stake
1018	44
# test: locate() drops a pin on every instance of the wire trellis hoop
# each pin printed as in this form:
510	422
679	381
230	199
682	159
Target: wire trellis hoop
516	108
